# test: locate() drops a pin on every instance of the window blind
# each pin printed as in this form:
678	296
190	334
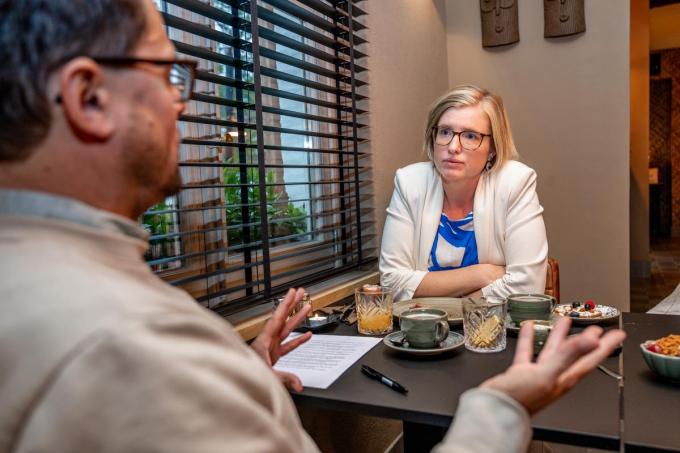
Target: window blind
274	156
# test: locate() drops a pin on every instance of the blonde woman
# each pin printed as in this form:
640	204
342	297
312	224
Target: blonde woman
468	221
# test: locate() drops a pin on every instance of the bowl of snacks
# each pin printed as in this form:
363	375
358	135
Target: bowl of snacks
663	356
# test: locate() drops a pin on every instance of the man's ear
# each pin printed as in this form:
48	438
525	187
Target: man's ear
86	100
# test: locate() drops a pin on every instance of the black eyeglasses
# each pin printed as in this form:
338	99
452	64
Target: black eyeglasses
182	72
469	140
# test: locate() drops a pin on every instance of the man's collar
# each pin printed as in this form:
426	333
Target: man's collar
49	206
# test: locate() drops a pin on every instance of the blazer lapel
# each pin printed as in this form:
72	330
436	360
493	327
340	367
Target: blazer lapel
482	212
431	213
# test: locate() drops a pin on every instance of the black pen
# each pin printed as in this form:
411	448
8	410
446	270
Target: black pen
391	383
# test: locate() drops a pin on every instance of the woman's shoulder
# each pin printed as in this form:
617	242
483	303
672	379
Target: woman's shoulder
419	171
515	168
514	173
415	181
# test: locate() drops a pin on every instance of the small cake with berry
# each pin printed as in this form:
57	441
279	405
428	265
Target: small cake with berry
578	310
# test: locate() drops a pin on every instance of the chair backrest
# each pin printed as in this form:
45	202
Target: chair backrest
552	281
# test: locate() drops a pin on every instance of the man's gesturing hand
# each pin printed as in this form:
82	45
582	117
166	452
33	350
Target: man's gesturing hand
269	343
561	364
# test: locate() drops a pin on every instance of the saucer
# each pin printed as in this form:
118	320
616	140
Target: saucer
453	341
510	325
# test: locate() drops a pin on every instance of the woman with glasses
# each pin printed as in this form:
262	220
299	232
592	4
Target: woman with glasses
468	221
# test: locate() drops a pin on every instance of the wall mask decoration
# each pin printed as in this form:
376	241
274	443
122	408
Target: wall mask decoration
500	22
563	18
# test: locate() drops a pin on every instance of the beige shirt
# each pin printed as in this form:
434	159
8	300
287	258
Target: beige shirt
98	354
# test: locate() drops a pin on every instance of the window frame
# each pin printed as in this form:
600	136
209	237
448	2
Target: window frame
347	150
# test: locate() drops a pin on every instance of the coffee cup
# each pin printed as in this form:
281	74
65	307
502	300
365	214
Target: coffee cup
424	328
530	306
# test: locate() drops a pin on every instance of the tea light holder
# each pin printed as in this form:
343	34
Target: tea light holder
317	318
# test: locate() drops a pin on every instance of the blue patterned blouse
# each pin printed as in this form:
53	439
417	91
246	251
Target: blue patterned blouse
454	245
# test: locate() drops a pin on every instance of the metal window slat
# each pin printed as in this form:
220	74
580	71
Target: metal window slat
356	11
297	28
237	247
231	290
207	54
304	116
305	99
306	32
204	9
210	99
307	66
302	132
214	121
201	30
333	12
221	207
300	46
315	150
273	184
222	80
306	250
301	64
216	143
303	14
311	266
322	230
240	165
253	246
274	74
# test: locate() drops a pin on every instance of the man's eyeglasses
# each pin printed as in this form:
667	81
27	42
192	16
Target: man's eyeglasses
469	140
182	72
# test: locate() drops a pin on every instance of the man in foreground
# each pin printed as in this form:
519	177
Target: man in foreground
97	353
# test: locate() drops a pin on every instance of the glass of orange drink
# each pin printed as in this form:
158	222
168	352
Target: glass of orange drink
374	309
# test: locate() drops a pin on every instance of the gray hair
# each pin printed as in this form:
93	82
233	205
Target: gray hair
39	36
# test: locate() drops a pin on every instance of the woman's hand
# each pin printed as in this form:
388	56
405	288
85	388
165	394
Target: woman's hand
268	344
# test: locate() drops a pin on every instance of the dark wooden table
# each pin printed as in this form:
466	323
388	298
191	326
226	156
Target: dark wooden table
588	416
651	405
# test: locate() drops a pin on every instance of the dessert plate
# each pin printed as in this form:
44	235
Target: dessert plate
602	313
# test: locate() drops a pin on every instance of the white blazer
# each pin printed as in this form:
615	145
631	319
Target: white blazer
508	225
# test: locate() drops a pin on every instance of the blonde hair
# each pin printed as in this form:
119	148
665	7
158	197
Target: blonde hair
492	104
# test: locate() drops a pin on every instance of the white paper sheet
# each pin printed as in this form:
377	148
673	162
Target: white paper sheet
320	361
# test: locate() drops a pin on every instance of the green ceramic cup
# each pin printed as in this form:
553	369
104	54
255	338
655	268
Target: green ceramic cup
424	328
530	306
541	331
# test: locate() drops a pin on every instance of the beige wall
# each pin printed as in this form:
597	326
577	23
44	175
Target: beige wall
664	27
407	71
639	138
568	104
